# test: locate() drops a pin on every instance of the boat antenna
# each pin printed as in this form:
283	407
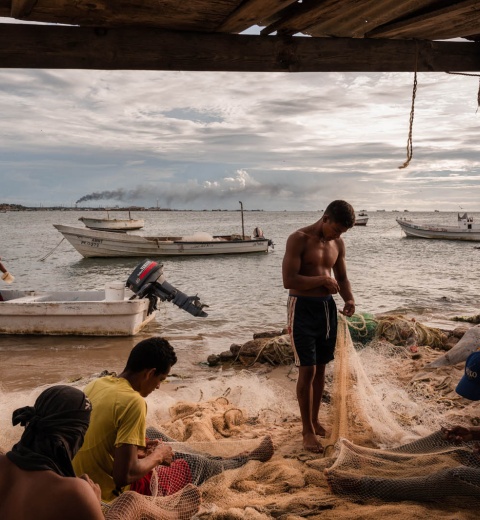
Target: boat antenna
243	229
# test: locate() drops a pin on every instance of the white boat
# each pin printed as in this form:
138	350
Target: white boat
122	309
83	313
91	243
113	224
466	229
361	218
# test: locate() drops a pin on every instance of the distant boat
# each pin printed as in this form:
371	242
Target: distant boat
113	224
466	229
437	211
361	218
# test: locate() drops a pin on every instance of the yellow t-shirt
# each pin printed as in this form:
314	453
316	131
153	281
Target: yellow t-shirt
118	417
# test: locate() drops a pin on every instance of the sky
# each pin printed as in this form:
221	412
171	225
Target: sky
206	140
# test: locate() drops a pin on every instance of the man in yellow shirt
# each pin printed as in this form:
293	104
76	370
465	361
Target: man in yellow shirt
118	422
116	454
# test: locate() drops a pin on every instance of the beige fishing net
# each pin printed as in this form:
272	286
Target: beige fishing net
383	410
171	492
426	469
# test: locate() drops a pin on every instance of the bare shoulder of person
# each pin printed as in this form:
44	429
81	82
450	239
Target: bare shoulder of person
78	500
340	244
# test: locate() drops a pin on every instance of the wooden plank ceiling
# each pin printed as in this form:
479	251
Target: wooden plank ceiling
204	34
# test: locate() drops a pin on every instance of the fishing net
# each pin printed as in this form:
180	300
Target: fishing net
400	330
134	506
425	469
363	327
381	407
170	492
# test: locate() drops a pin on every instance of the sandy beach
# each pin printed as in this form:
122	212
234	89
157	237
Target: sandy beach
237	406
293	485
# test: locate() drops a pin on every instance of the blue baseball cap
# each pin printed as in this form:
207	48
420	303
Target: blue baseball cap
469	385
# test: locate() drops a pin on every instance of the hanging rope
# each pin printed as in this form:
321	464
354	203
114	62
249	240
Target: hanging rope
473	75
412	113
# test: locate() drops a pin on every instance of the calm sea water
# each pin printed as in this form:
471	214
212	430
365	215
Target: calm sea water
431	279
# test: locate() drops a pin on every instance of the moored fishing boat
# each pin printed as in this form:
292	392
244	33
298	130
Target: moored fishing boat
91	243
361	218
466	229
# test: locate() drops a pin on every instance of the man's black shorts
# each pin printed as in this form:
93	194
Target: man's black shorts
312	324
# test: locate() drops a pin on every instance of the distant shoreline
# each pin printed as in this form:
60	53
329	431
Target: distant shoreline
16	207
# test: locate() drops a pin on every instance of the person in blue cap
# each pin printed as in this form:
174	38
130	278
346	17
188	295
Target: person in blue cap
468	387
458	481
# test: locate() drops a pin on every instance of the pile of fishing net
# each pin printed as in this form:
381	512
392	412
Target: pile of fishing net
400	330
428	470
229	475
275	348
363	463
205	421
362	327
173	492
396	329
384	413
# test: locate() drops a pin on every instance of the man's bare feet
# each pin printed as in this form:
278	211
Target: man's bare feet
310	443
264	451
319	430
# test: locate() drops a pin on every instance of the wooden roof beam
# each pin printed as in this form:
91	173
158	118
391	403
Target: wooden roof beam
69	47
252	12
360	16
460	18
299	16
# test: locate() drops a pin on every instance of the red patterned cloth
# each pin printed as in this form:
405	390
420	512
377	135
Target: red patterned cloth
171	479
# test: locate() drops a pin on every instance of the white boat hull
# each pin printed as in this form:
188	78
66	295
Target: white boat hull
83	313
104	224
438	232
361	221
90	243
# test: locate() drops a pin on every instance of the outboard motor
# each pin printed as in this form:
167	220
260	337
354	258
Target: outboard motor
258	233
148	281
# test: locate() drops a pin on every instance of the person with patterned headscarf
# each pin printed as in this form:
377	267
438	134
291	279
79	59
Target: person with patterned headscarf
36	476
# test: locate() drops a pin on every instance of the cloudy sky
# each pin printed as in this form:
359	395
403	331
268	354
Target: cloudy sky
198	140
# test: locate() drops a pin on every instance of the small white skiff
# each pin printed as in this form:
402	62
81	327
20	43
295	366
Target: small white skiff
113	224
89	313
465	230
91	243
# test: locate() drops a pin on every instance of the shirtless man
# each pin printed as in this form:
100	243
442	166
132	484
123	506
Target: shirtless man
310	256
